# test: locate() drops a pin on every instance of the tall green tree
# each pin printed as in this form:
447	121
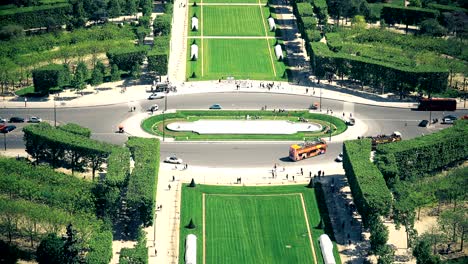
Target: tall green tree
81	75
78	15
114	8
115	73
131	7
72	247
422	252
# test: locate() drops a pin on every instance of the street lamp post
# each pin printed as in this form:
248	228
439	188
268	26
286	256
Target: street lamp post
164	117
55	112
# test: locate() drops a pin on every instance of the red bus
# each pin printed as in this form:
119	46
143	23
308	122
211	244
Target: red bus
437	104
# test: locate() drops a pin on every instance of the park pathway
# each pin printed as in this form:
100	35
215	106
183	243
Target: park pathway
178	44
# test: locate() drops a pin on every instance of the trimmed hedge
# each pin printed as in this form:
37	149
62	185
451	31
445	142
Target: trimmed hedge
409	159
127	58
35	16
406	15
141	190
323	209
371	195
304	10
334	41
76	129
158	63
47	77
446	8
371	71
100	247
118	167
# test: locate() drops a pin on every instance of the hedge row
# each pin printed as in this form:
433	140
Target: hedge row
43	185
100	247
127	58
321	9
446	8
50	76
141	190
392	14
158	63
378	73
57	147
371	195
409	159
76	129
35	16
118	167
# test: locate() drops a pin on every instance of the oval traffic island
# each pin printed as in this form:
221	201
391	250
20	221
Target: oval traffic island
243	125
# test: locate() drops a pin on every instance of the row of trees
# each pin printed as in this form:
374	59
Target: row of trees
63	149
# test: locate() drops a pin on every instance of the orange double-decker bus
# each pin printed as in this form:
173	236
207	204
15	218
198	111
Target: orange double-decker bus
307	149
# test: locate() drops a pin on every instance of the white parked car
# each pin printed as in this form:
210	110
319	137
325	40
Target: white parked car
34	119
173	160
2	120
156	96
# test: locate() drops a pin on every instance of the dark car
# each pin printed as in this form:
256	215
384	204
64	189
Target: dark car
16	119
423	123
8	129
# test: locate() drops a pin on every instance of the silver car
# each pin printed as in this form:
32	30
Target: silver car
173	160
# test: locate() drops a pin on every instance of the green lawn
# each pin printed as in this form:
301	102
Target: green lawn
239	58
256	229
242	225
232	21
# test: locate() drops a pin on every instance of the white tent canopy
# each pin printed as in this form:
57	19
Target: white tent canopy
194	23
327	249
194	52
279	52
191	249
271	23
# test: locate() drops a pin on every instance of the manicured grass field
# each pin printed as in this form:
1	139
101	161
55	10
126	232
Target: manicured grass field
253	229
252	224
232	21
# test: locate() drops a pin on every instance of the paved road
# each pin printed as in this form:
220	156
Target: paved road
104	120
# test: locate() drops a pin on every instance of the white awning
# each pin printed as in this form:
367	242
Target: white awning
327	249
194	23
271	23
191	249
194	52
279	52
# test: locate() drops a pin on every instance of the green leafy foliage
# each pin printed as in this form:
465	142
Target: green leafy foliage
371	195
126	58
118	167
42	184
158	63
50	76
138	254
76	129
35	16
409	159
141	191
406	15
162	25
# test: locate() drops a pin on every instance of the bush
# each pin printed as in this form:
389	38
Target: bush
76	129
100	247
410	159
125	59
158	63
52	75
35	16
162	25
141	191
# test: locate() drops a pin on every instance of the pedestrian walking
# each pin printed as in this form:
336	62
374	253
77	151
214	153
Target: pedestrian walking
173	178
155	253
302	172
310	174
293	177
273	174
319	173
323	173
286	176
169	187
307	90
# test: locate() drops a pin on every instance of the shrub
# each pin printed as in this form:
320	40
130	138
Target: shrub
158	63
52	75
125	59
76	129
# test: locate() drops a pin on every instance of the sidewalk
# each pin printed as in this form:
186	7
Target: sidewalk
121	93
